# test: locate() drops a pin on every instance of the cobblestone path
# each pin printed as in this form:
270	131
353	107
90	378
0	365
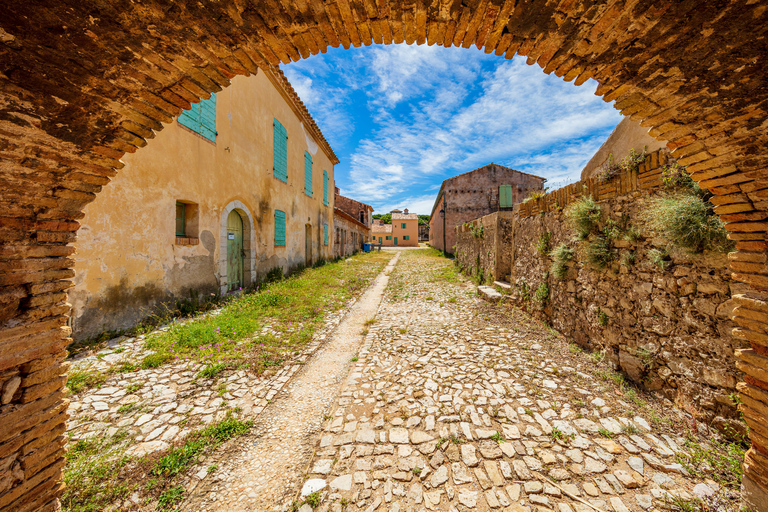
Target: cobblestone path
457	405
261	471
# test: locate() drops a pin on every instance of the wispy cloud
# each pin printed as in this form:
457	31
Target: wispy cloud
403	118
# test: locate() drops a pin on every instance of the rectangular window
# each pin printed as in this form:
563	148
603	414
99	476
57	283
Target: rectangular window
201	118
279	227
505	196
405	237
325	188
325	233
389	238
402	225
280	152
308	174
181	220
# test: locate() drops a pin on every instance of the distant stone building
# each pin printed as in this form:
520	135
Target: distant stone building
474	194
352	221
423	232
403	232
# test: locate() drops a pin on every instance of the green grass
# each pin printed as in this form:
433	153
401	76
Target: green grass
720	461
293	308
560	255
81	379
170	498
92	473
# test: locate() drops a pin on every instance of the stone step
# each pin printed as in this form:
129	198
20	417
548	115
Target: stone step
488	293
503	285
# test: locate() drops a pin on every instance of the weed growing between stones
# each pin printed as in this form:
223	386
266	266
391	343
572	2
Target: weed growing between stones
688	222
659	258
560	255
79	379
541	296
629	163
542	245
584	215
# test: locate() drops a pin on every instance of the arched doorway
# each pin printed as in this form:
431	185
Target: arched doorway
78	92
234	251
237	250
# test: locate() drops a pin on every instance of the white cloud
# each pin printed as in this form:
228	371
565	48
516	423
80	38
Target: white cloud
427	113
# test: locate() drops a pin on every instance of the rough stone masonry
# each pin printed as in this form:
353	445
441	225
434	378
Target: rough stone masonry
82	83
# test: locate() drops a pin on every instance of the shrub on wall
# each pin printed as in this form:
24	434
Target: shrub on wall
560	255
610	169
688	222
543	244
541	296
584	215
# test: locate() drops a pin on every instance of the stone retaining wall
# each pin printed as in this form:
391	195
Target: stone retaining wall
668	330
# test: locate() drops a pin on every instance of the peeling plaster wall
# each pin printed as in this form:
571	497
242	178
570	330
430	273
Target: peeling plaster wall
128	260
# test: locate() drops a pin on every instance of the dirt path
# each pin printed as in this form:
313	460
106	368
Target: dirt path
261	472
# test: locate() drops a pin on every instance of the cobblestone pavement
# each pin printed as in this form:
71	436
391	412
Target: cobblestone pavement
454	407
259	471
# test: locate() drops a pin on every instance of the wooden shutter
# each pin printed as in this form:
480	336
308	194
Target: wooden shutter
325	233
280	151
505	196
201	118
325	188
208	118
279	227
308	173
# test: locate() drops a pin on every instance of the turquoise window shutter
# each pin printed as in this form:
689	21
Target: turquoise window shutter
325	188
325	233
279	227
280	151
505	196
308	174
201	118
402	225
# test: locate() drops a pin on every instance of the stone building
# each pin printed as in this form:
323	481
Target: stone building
403	232
352	221
237	186
423	232
474	194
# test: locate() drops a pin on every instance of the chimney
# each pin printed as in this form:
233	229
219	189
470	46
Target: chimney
336	190
405	211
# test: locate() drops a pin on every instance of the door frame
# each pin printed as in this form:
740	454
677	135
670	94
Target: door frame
249	246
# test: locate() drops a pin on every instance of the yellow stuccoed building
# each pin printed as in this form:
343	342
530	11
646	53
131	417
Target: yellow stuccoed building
403	232
238	185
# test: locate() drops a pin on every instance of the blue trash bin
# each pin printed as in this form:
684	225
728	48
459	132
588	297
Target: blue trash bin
367	247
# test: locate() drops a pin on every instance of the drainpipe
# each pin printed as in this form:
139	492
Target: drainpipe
445	251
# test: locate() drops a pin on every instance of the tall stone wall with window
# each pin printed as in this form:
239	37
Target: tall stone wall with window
668	330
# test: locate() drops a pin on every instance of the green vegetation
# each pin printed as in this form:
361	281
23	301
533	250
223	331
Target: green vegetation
584	215
385	218
602	318
293	308
659	258
599	251
542	245
560	255
80	379
535	194
720	461
609	170
541	296
605	433
169	499
92	473
688	222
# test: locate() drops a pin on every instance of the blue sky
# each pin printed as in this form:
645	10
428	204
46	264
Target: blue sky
403	118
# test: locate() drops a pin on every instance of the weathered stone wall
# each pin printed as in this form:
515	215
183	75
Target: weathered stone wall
668	330
486	250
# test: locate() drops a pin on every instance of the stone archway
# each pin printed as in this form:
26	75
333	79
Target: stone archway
249	245
82	83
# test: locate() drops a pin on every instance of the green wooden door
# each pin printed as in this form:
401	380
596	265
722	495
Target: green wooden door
234	251
395	240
